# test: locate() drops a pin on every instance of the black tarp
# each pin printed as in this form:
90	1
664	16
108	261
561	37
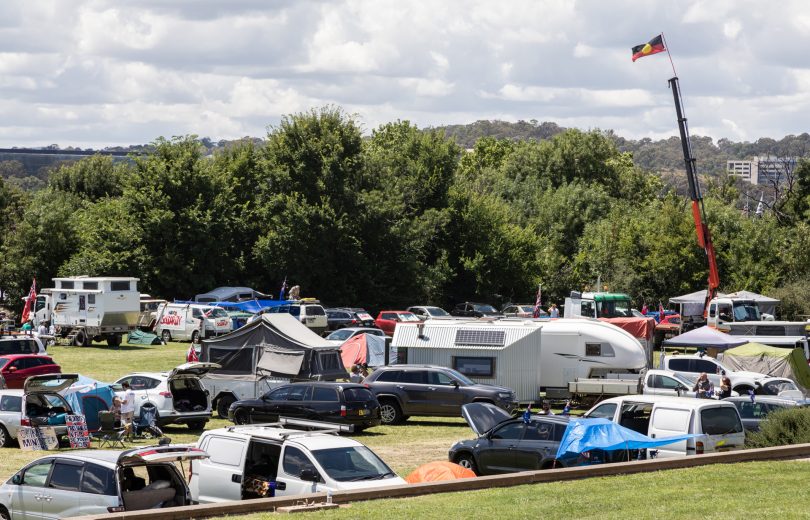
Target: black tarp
276	345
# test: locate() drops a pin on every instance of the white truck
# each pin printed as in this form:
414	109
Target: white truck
742	317
652	382
86	309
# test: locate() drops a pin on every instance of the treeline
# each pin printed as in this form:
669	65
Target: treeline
404	216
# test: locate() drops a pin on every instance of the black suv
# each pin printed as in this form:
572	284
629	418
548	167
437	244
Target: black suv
475	310
405	390
345	403
340	317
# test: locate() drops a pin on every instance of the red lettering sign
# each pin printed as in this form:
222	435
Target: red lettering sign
170	320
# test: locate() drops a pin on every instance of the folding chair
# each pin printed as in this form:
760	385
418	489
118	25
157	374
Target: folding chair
109	434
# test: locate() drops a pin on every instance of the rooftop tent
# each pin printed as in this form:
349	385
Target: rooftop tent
706	337
766	304
692	304
774	361
278	345
583	435
365	349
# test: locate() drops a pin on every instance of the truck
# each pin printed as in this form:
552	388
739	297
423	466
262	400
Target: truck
742	317
85	309
651	382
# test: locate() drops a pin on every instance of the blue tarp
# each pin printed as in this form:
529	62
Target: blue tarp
88	396
251	306
591	434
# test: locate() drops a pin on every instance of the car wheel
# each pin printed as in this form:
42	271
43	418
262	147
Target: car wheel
166	336
241	416
4	513
466	460
223	404
4	437
196	425
390	412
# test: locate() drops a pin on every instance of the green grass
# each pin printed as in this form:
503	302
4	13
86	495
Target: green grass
750	490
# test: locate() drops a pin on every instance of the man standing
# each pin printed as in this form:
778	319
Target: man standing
554	312
127	407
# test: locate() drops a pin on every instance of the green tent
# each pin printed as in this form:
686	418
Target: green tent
774	361
139	337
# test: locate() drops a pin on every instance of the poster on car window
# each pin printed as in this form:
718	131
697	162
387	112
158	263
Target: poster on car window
37	438
78	435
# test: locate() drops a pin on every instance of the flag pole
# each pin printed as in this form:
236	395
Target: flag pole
666	46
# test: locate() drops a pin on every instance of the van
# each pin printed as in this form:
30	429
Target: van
181	321
308	311
716	424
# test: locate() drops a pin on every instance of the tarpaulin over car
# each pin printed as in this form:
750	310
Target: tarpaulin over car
583	435
438	471
284	339
774	361
251	306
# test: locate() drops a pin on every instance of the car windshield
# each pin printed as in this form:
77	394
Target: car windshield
778	386
484	308
341	335
528	308
746	311
461	377
407	316
352	463
614	309
435	311
216	313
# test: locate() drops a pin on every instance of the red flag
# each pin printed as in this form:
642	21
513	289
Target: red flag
191	355
644	309
537	302
29	301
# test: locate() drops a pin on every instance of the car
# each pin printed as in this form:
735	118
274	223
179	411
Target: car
387	320
475	310
431	390
307	310
338	318
339	403
38	403
296	462
16	368
523	310
178	395
753	412
90	482
341	336
426	312
20	344
364	319
506	444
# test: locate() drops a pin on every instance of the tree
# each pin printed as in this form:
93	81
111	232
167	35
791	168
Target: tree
90	178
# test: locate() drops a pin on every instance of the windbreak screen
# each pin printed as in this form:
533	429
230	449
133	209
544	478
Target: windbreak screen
232	361
279	361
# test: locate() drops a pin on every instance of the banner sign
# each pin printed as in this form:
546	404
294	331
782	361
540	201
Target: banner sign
77	431
37	438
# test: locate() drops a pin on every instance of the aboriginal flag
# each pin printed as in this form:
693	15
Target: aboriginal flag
653	46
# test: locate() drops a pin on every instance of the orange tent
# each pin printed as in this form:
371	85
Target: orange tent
436	471
353	351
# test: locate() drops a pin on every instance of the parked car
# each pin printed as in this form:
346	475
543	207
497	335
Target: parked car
38	403
524	310
427	312
364	319
340	318
297	462
178	395
16	368
308	311
387	320
405	390
339	337
691	366
91	482
475	310
20	344
182	321
341	403
506	443
754	412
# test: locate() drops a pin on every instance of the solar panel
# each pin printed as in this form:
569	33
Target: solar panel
480	337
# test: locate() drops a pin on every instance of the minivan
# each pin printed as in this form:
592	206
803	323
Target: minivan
181	321
716	424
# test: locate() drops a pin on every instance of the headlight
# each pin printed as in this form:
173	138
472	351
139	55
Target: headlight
504	395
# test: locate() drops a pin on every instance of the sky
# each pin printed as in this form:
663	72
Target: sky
95	73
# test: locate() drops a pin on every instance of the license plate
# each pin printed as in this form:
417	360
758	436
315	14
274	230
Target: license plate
362	412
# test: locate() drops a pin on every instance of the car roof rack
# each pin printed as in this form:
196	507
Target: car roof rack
314	427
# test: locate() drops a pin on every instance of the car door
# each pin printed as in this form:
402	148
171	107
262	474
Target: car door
444	394
537	446
271	404
497	453
297	403
664	385
10	414
15	373
219	477
293	462
413	387
29	489
61	494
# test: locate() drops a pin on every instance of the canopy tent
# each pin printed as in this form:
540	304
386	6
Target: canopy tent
706	337
365	349
766	304
88	397
583	435
774	361
277	345
692	304
438	471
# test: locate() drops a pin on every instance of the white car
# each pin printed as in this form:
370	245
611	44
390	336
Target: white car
92	482
297	462
179	395
341	336
428	312
35	405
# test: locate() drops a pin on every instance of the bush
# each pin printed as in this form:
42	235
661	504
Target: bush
789	426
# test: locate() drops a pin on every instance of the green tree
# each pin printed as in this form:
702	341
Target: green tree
90	178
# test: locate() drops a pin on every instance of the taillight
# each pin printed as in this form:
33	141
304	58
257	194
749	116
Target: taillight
116	509
343	410
699	448
167	395
354	322
25	421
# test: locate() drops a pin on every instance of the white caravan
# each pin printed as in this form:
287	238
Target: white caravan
530	356
184	321
86	309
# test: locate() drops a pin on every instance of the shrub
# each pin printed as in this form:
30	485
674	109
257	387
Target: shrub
789	426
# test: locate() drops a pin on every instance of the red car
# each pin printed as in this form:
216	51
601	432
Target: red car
387	320
16	368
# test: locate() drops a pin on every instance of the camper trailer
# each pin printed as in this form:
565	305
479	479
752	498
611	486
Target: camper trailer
530	356
84	309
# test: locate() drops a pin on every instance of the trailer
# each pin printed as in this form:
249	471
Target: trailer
86	309
589	391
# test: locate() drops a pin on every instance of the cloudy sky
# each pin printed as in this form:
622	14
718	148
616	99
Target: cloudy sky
106	72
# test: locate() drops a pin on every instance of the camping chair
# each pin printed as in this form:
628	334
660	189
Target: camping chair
146	422
108	433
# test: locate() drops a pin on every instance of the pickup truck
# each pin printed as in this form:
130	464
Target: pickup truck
652	382
691	366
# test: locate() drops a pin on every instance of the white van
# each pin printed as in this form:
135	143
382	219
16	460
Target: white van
181	321
716	424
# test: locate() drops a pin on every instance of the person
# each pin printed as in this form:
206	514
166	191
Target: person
28	325
364	370
127	407
42	330
546	409
116	410
356	377
554	312
725	387
703	387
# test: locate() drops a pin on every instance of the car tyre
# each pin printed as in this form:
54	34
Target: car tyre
113	340
5	439
466	460
4	515
390	412
240	416
82	339
196	425
223	404
166	335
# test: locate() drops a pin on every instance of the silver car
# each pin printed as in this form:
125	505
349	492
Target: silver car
341	336
90	482
179	395
36	404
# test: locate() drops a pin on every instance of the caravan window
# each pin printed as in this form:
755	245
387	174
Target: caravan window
475	366
90	286
91	299
593	349
119	286
66	285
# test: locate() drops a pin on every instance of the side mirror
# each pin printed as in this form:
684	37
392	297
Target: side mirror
12	369
309	475
455	383
16	479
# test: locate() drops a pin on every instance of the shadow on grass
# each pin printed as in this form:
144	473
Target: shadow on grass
104	346
431	422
